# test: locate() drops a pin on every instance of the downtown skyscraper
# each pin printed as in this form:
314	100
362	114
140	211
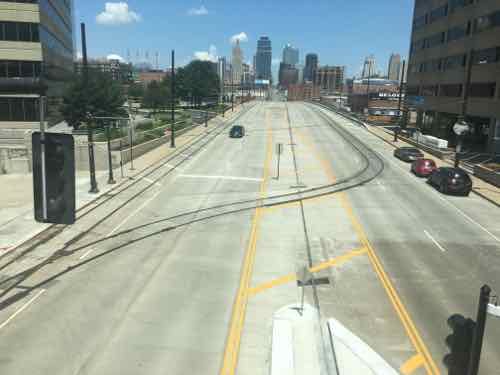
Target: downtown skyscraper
263	58
394	70
290	55
237	62
311	67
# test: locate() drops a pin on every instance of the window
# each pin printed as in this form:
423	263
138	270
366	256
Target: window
420	22
430	90
13	69
19	31
458	32
454	90
423	67
10	31
17	109
435	40
455	62
497	130
436	65
482	90
457	4
412	90
438	13
486	56
4	109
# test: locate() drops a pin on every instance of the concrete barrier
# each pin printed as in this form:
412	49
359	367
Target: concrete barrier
487	174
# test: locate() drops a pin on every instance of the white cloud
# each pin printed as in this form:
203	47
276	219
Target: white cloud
201	11
242	37
115	57
210	55
117	14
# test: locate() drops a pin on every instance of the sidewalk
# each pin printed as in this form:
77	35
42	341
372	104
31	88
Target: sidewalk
480	187
17	224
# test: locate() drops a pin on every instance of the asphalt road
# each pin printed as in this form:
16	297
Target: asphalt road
195	293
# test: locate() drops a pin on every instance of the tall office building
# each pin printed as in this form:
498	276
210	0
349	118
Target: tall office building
311	67
221	73
290	55
394	69
448	40
330	79
237	62
263	58
369	68
37	47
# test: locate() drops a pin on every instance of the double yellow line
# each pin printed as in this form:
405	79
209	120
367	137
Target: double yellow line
404	316
232	348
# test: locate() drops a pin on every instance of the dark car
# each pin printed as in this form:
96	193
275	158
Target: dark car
423	167
237	131
408	153
451	181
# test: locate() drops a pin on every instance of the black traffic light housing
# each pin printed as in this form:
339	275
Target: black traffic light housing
59	177
460	344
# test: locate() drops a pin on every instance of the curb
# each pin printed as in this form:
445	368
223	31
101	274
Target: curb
367	127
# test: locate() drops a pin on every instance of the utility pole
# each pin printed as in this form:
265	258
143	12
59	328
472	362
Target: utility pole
111	179
461	118
401	83
93	182
232	87
172	135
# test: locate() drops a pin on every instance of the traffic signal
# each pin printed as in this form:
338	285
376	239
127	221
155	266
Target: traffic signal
59	178
460	344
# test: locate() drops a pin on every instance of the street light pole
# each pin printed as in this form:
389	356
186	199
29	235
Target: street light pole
461	118
172	135
111	180
401	83
93	182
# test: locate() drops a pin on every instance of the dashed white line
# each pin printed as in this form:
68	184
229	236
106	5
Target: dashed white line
222	177
151	181
22	308
435	242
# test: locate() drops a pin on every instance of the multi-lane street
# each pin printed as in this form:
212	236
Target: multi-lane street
182	272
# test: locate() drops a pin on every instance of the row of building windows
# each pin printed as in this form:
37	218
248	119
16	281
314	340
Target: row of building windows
65	3
20	69
476	90
19	31
53	14
19	109
485	56
440	12
56	47
457	32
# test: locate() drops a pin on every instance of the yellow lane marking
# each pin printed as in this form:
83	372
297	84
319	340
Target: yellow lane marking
232	346
398	305
293	277
271	284
412	364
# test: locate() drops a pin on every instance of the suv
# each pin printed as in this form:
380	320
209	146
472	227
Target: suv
237	131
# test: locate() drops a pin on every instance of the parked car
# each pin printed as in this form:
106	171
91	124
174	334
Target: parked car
408	153
237	131
423	167
451	181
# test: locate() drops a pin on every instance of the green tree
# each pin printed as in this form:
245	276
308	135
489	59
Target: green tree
136	90
198	80
99	97
156	96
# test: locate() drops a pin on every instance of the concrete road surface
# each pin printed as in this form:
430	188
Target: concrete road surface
184	286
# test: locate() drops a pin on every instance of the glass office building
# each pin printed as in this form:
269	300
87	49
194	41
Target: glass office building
36	57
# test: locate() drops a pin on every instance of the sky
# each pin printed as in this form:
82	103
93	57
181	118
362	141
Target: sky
340	32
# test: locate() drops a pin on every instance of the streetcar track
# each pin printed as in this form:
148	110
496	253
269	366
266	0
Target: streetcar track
300	195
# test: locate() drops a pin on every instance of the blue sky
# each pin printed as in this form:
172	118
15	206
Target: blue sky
340	32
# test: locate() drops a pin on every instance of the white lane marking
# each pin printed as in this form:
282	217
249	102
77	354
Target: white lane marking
435	242
185	155
135	212
221	177
22	308
469	218
151	181
173	167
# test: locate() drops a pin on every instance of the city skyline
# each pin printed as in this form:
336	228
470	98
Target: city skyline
217	23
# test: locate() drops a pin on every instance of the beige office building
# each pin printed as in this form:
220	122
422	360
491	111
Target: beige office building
36	57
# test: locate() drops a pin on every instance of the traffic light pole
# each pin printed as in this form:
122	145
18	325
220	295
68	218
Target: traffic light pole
477	341
90	141
42	148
